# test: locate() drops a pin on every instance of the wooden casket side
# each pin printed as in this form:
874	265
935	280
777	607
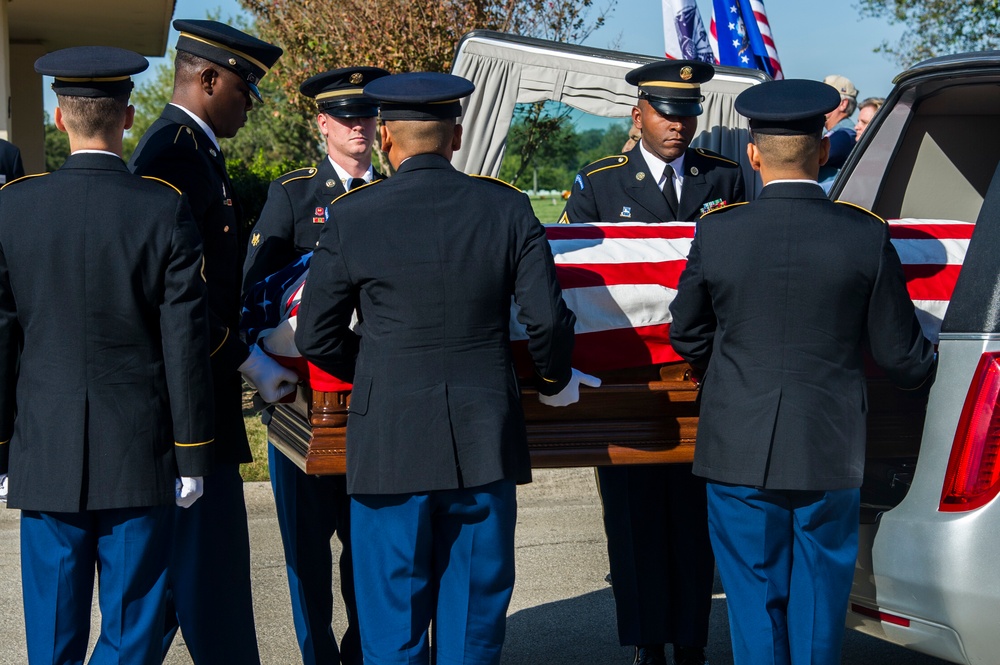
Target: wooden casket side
644	415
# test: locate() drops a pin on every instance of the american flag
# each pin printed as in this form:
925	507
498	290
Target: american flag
741	36
619	279
684	33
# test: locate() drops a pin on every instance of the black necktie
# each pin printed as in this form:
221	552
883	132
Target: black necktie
354	182
669	192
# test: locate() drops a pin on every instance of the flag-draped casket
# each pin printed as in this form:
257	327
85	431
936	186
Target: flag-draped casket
619	279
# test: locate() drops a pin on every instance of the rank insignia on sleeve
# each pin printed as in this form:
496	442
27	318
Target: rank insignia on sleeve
255	240
626	212
712	205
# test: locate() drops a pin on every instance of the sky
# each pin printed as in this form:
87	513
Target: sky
813	38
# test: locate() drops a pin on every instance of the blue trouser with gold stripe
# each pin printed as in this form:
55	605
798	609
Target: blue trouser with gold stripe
786	558
129	548
445	556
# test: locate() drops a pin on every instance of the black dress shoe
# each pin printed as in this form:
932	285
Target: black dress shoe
649	654
689	656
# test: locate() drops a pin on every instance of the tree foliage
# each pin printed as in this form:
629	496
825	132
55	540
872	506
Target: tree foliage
937	27
556	160
56	145
406	35
401	35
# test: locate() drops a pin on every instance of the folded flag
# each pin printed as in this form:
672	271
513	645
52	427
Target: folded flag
619	279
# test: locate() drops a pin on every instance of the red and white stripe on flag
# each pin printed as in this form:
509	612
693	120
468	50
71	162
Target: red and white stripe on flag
739	13
765	32
620	279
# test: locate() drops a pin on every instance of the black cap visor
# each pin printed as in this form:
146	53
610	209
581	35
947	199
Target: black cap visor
675	107
350	108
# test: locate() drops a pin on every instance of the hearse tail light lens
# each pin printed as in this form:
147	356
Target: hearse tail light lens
973	476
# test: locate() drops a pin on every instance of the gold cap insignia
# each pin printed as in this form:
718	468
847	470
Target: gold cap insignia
640	176
356	78
255	240
686	73
232	62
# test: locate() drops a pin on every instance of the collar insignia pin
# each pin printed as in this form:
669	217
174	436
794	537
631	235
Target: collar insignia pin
694	170
212	152
640	176
331	182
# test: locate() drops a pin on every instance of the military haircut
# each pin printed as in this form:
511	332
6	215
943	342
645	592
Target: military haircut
787	150
188	66
93	116
423	136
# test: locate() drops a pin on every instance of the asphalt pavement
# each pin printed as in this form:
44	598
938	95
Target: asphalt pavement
562	611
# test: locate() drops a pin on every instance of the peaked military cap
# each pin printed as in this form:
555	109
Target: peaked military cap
787	107
420	95
224	45
91	71
340	92
672	87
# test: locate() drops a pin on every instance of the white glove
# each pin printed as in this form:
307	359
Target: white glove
3	488
187	490
267	376
571	393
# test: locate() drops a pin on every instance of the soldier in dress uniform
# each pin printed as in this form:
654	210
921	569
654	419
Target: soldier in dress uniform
217	69
295	210
11	167
311	509
435	433
105	383
777	305
662	568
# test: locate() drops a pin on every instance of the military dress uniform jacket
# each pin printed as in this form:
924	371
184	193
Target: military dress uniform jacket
11	167
431	257
620	189
105	393
291	220
777	301
176	150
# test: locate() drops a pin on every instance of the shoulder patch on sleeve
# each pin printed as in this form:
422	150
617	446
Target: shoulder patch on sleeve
356	189
609	162
185	132
162	181
487	178
298	174
712	155
23	178
861	208
722	208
